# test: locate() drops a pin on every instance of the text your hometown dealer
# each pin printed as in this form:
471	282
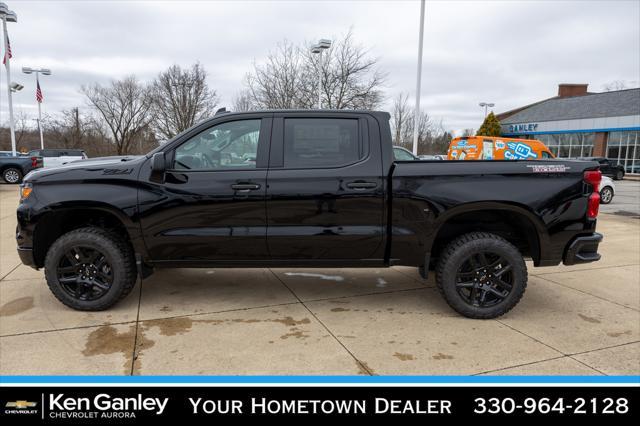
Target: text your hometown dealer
105	402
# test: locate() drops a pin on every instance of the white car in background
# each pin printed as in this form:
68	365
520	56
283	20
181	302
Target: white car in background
54	157
607	190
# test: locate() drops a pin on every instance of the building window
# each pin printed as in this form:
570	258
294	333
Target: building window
623	148
569	145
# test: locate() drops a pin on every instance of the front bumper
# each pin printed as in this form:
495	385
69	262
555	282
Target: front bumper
26	257
583	249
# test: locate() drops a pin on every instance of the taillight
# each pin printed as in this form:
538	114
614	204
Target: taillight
593	178
34	162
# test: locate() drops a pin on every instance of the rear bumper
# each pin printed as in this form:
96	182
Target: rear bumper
583	249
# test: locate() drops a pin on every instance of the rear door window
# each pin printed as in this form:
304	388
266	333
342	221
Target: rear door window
321	142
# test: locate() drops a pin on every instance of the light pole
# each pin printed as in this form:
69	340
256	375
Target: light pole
38	71
16	87
416	114
323	44
486	105
8	16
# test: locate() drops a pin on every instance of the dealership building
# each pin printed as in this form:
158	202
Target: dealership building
579	123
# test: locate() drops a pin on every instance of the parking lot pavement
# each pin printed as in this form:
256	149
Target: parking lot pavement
583	319
626	200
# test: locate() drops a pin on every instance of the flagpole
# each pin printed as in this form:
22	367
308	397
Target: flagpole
39	112
8	66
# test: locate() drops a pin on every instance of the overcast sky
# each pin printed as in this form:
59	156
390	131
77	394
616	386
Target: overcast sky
508	52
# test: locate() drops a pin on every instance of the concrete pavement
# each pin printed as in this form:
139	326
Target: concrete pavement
572	320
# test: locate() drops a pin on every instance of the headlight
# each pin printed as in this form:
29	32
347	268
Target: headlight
25	191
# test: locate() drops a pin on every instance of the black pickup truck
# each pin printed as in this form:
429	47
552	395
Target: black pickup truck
307	189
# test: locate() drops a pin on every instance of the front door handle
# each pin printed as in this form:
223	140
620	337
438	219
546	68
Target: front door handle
245	186
361	185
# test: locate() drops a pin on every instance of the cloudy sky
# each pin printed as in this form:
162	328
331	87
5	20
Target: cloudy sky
507	52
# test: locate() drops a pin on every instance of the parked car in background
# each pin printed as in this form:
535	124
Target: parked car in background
14	168
402	154
607	190
430	157
608	167
497	148
54	157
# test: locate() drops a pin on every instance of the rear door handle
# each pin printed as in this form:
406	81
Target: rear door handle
245	186
361	185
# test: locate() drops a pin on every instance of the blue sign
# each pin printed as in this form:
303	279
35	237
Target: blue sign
518	128
519	151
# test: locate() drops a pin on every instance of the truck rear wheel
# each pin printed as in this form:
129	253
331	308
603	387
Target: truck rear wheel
481	275
90	269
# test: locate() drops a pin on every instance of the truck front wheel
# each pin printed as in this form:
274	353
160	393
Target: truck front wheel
90	269
481	275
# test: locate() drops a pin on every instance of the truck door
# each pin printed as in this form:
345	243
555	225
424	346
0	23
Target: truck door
325	196
211	206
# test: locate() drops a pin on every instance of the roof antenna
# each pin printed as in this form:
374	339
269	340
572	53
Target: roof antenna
221	111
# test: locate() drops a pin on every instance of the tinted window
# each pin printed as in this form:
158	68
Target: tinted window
545	154
228	145
320	142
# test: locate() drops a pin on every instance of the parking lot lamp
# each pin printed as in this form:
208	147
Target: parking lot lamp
416	112
7	15
323	44
37	72
486	105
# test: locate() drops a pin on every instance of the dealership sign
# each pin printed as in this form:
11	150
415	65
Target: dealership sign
518	128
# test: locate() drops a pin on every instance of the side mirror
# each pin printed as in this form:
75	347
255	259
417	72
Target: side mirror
158	167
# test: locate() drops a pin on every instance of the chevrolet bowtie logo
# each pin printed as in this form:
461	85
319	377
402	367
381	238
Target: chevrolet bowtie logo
20	404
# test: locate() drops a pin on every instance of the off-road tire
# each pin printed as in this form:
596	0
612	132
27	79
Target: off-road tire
114	247
455	253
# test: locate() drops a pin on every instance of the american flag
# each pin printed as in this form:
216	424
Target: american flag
8	52
39	93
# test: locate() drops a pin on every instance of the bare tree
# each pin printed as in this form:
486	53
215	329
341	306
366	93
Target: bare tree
242	102
124	107
72	129
350	77
400	117
20	126
615	85
274	84
289	77
181	98
402	124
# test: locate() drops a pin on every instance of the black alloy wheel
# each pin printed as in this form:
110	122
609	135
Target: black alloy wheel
484	279
90	269
84	273
481	275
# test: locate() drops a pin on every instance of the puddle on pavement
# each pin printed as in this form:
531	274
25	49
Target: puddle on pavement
364	369
589	319
106	340
440	356
404	357
336	278
16	306
180	325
